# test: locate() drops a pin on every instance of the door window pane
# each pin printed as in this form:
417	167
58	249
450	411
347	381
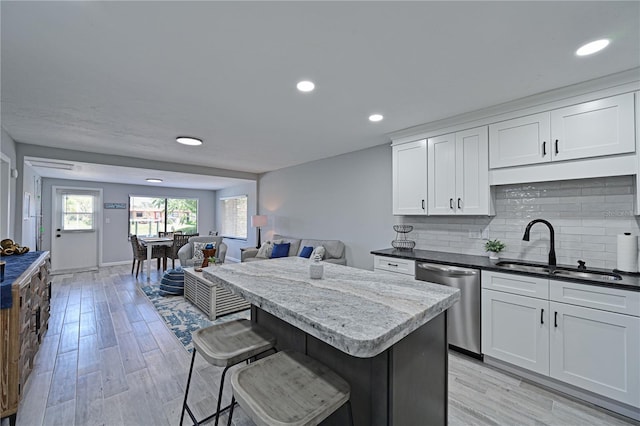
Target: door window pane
78	212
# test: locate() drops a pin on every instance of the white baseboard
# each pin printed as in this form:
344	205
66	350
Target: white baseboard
121	262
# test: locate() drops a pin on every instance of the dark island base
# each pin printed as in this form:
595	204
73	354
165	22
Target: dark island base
404	385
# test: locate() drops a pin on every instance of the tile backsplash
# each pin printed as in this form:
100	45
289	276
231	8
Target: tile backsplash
587	215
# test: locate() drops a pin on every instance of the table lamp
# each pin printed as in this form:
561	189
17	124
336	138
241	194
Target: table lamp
257	221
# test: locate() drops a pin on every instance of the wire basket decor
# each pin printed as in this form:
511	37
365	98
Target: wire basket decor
401	242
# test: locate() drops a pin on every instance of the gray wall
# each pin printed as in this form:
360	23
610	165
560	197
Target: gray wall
347	198
249	189
8	148
115	244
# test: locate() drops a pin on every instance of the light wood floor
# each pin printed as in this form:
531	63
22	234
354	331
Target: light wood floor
108	359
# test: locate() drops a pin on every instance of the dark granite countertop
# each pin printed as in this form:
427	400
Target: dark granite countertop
628	282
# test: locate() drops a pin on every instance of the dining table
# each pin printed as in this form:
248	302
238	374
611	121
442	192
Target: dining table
149	243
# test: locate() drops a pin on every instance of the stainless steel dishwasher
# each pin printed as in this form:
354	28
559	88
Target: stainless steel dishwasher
463	318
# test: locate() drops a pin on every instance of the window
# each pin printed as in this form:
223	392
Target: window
78	212
233	217
150	215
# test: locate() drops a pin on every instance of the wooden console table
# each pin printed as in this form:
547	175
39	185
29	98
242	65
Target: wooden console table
23	326
210	298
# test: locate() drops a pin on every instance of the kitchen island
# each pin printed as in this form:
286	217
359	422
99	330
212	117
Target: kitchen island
385	335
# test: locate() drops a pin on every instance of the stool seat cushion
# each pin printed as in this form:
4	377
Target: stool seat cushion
232	342
172	282
288	388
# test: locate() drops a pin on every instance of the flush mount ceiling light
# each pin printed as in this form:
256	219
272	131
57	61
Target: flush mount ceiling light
154	180
593	47
305	86
375	117
188	140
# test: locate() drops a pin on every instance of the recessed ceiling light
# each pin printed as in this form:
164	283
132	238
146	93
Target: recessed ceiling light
154	180
188	140
305	86
593	47
375	117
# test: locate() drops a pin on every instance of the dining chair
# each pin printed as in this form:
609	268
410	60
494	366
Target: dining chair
140	254
178	241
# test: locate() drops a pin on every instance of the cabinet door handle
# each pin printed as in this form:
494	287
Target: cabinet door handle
451	203
544	148
392	264
459	201
422	204
555	319
542	316
557	151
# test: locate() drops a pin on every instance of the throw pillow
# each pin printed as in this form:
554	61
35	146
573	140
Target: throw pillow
280	250
317	251
264	252
198	246
306	252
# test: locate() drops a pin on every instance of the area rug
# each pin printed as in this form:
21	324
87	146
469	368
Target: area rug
182	317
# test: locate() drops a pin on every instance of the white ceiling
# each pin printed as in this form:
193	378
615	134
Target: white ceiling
126	78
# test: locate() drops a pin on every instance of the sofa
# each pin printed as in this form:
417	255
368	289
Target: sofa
186	252
334	249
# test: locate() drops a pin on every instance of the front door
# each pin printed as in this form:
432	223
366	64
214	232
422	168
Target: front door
76	228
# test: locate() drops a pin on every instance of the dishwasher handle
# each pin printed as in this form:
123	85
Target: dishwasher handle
447	269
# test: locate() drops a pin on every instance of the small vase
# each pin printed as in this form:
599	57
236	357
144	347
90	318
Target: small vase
316	269
494	257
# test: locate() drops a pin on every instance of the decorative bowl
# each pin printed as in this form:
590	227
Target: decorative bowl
403	229
403	244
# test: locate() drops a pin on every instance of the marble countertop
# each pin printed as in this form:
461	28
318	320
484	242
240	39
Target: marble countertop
629	281
359	312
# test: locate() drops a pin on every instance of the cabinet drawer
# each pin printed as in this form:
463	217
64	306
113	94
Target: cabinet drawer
591	296
516	284
393	264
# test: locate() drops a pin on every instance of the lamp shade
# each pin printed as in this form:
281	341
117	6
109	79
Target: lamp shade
258	220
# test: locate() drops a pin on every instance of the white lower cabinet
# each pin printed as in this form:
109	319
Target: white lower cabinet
596	350
394	264
591	342
515	329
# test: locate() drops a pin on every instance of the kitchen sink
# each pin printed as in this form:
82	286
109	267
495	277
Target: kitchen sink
587	274
524	267
560	271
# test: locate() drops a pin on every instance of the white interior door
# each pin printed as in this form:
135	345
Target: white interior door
76	229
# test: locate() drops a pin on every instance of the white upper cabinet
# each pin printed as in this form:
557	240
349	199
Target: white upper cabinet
524	140
442	174
458	169
591	129
409	172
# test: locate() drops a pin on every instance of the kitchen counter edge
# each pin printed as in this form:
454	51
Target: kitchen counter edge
628	282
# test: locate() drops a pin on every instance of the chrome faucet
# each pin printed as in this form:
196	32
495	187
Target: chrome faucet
552	237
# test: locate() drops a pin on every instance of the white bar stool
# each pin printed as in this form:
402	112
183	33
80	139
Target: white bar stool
289	388
225	345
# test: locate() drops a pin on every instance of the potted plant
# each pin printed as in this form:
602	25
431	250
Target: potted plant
494	247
